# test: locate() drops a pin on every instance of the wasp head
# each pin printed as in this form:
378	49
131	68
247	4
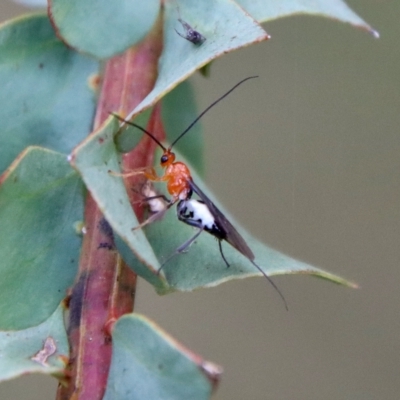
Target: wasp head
167	158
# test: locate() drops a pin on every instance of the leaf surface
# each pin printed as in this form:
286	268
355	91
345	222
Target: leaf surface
203	266
32	3
97	159
149	364
267	10
46	95
103	28
41	349
40	201
225	26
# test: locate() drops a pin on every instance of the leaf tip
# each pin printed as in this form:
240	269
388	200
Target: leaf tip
334	278
354	285
374	33
369	29
212	371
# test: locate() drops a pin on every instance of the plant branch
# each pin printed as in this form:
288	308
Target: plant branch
105	287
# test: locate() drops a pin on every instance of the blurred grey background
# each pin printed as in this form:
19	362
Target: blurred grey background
307	158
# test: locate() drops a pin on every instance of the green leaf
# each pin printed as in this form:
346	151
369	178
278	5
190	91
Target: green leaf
179	110
40	200
96	159
267	10
103	28
224	34
203	266
226	28
149	364
33	3
42	349
129	136
45	95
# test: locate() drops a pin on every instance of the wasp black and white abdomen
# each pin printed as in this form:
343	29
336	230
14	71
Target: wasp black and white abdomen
196	213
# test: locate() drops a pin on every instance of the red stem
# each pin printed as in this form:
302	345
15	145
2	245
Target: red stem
105	286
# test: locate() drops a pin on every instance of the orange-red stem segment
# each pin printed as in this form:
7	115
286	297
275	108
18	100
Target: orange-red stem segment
105	287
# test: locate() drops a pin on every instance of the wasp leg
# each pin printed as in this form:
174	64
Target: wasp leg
144	199
222	253
138	171
159	196
154	217
180	249
180	34
157	211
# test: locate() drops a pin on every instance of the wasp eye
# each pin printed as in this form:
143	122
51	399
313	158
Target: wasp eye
164	158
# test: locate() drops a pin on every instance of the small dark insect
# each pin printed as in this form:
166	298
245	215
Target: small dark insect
202	213
191	34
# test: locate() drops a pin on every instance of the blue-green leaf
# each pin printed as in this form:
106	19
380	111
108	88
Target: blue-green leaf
42	348
103	28
46	96
40	200
148	364
267	10
96	159
225	26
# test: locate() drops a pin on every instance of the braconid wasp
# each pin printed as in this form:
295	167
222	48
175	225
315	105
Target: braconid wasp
203	213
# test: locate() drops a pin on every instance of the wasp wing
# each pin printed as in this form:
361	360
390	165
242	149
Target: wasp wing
232	236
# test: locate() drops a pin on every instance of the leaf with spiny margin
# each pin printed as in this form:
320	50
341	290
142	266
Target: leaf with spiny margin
103	28
40	200
267	10
25	351
148	364
45	94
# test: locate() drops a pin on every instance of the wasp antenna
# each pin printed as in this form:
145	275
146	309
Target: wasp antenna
273	285
211	106
140	128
